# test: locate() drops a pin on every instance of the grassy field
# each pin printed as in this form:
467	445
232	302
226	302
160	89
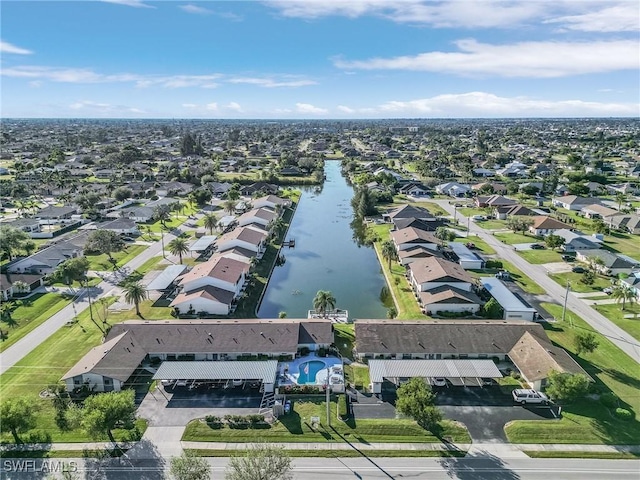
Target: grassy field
521	279
296	427
152	264
344	339
493	224
615	313
511	238
538	257
623	243
406	303
588	421
599	282
374	453
101	262
480	244
358	375
569	454
45	365
31	313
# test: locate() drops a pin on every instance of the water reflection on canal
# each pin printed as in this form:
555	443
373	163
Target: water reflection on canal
325	257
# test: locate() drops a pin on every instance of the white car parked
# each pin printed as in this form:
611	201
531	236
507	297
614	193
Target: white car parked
525	396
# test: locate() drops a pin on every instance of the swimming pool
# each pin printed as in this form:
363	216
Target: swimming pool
308	372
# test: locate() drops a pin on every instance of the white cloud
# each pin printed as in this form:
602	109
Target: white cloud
307	108
483	14
624	17
130	3
345	109
234	106
196	10
482	104
213	106
189	105
90	107
526	59
271	83
6	47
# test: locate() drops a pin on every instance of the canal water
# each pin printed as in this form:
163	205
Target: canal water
325	257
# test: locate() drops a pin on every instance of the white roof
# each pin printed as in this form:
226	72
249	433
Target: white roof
202	243
264	370
463	252
504	296
167	276
449	368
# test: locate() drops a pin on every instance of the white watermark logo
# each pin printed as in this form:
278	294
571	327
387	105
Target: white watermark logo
35	466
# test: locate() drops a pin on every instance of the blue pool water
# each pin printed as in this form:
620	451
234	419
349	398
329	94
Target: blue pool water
308	371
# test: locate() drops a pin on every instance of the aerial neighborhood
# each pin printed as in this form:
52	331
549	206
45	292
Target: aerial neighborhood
487	266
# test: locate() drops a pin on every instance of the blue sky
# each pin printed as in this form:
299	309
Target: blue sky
320	59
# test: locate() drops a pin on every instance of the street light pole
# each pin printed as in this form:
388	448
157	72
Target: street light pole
564	308
162	241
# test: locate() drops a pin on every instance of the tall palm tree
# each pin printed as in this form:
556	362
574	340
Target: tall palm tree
162	213
621	197
229	206
178	246
135	292
323	301
623	293
210	222
388	251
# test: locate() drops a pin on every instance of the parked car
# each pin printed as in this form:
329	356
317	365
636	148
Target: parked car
181	383
470	245
578	269
568	258
478	218
608	290
525	396
439	382
537	246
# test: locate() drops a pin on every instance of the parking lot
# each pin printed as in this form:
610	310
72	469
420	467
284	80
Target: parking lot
214	395
484	410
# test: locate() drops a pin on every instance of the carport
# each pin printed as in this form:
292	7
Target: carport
459	372
264	371
166	278
203	243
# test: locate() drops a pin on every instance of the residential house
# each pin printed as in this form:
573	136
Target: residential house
53	214
259	187
408	211
200	343
543	225
612	264
27	225
405	257
513	308
573	202
447	298
259	216
428	273
627	223
483	172
412	237
453	189
465	339
493	201
633	282
271	201
244	237
502	213
597	210
498	188
219	271
7	282
180	189
219	189
427	226
574	241
44	262
414	189
123	226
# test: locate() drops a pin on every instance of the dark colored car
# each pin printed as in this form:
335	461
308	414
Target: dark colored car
537	246
568	258
578	269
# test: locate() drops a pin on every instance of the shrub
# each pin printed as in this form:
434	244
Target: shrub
609	400
493	264
343	407
624	414
212	419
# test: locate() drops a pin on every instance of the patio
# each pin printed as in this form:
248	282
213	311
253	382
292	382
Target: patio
311	370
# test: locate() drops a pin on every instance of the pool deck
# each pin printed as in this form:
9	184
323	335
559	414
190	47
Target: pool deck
288	372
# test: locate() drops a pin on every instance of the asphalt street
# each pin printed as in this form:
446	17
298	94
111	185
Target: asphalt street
538	274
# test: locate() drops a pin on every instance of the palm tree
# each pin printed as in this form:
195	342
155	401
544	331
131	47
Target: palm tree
162	213
135	292
229	206
621	197
323	301
623	293
210	222
388	251
178	246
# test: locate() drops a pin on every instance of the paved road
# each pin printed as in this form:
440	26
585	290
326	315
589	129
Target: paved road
538	274
20	349
475	466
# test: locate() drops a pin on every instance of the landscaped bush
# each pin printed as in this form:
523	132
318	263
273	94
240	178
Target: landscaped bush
624	414
302	389
493	264
343	407
445	314
213	421
609	400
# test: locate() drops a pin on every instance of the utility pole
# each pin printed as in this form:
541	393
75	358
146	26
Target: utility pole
162	241
328	401
564	308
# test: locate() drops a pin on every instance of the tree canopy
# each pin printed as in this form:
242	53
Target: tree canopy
72	270
104	241
415	399
323	301
11	240
105	411
190	467
17	415
566	386
261	462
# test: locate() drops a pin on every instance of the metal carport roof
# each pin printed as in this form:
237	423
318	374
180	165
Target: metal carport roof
166	278
203	243
448	368
264	370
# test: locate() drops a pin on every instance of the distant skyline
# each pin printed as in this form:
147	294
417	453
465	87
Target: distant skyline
308	59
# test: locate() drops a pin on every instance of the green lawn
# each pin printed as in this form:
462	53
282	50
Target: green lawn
537	257
358	375
493	224
570	454
623	243
511	238
44	366
479	243
295	427
31	313
521	279
151	264
344	339
599	282
101	262
588	421
375	453
615	313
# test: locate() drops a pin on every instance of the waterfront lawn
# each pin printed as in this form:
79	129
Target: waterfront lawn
44	366
614	312
599	282
296	427
511	238
101	262
29	313
344	339
538	257
588	421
